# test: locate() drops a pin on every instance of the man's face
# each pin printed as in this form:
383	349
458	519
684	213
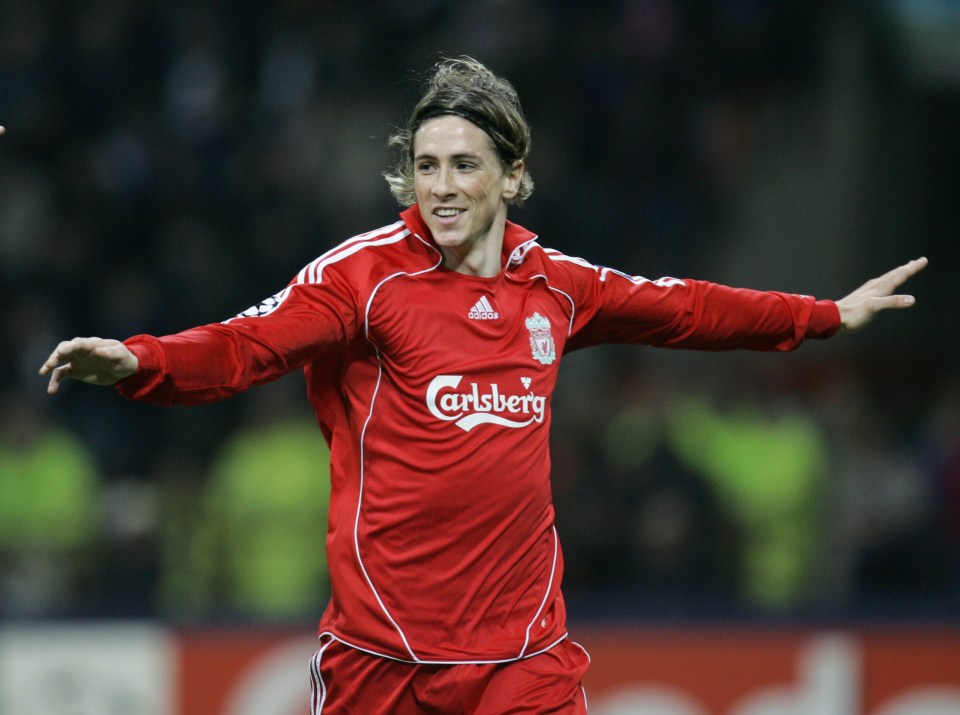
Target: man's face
461	184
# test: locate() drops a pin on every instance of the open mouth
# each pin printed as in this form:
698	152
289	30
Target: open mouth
447	213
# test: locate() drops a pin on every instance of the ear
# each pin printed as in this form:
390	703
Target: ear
512	176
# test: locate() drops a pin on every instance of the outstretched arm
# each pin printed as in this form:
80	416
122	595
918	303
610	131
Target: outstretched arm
861	306
96	361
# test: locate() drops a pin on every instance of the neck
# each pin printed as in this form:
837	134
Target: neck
471	263
481	257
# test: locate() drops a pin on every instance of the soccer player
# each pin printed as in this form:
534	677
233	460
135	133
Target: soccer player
431	348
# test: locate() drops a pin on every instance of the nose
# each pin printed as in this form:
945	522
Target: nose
443	185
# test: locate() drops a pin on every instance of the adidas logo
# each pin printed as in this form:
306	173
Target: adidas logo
482	310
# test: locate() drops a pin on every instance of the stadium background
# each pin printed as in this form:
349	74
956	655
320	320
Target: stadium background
169	164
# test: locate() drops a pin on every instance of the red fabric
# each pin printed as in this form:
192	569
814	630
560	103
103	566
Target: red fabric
345	681
433	389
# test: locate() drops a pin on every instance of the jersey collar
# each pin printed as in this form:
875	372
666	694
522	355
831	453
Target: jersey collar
516	239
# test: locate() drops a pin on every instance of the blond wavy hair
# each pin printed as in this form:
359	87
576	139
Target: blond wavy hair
464	87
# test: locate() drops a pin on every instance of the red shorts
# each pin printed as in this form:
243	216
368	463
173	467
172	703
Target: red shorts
346	680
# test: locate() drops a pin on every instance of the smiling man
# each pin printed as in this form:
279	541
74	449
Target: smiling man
462	188
431	348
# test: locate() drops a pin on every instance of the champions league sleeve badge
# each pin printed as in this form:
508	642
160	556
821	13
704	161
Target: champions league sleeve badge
541	340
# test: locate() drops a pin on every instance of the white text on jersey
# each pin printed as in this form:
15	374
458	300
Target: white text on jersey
470	408
483	310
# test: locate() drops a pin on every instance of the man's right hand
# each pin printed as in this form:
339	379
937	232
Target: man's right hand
96	361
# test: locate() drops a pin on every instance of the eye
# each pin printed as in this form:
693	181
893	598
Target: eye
425	167
466	166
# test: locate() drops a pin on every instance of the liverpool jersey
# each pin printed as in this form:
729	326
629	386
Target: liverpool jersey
433	389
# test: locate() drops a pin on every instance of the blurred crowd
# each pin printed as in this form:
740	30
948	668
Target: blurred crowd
170	164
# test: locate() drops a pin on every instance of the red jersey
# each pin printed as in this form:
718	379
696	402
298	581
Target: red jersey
433	390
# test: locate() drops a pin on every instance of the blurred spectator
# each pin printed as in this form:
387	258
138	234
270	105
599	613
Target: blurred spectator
914	552
641	523
49	518
882	511
768	462
249	543
128	569
26	219
680	540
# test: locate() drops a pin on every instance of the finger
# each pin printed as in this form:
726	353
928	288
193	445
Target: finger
56	377
56	358
884	285
903	301
60	355
902	273
892	302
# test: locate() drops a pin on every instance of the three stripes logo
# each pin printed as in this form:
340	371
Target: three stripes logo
483	310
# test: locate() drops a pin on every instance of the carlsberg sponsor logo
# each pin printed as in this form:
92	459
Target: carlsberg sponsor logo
469	407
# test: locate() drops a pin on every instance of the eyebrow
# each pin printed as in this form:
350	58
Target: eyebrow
461	155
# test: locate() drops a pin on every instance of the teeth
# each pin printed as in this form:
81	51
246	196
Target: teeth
447	212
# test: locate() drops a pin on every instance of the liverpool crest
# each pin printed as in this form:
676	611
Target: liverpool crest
541	339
